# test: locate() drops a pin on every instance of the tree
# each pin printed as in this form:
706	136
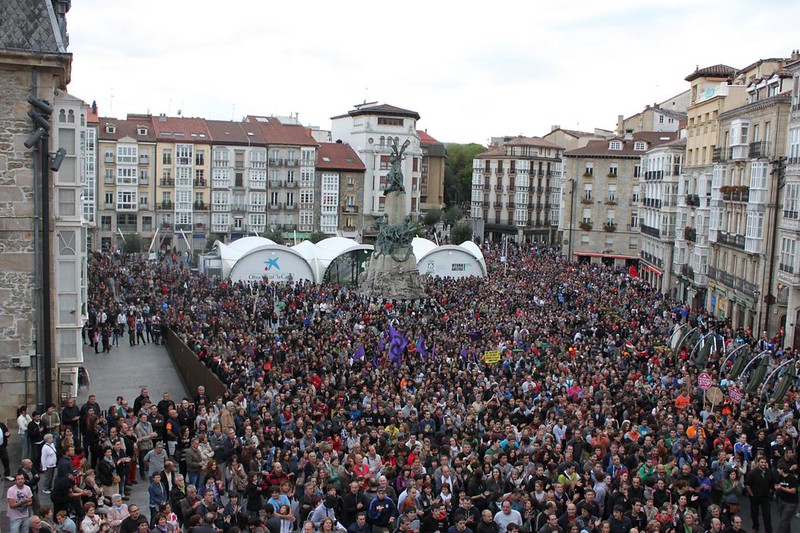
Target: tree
461	232
452	215
275	235
214	237
132	244
458	172
317	236
432	216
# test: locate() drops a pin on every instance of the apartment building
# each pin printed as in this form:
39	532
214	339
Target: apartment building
516	191
371	129
712	92
602	197
125	182
744	197
661	116
658	200
431	178
340	190
788	271
572	139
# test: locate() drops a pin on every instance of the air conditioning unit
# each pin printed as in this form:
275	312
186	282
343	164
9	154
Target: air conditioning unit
21	361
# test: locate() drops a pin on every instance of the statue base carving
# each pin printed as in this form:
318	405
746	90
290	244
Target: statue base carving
387	278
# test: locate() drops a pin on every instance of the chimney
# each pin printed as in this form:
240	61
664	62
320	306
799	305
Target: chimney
628	135
795	55
555	127
162	117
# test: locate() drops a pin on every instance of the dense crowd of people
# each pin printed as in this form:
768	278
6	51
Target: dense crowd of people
544	397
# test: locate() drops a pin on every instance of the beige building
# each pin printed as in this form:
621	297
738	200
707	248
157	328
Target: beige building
516	191
340	189
602	196
126	186
431	178
42	288
571	139
788	272
744	194
661	116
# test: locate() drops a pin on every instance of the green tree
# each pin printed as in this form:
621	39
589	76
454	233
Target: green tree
432	216
452	215
214	237
274	235
461	232
132	244
317	236
458	172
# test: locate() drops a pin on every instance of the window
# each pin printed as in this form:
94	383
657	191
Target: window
641	146
126	176
611	217
105	223
290	199
126	200
199	178
634	220
589	169
587	216
220	178
390	121
147	223
615	145
183	154
306	197
126	154
200	158
258	179
637	171
612	171
791	201
660	121
612	194
143	201
274	198
258	200
633	243
635	194
587	191
167	156
788	250
256	222
221	158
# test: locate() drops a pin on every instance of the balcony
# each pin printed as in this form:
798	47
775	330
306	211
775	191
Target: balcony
652	202
588	174
144	181
350	209
108	158
166	225
510	205
718	155
735	193
275	206
586	226
690	234
738	152
587	201
653	175
609	227
652	259
729	239
651	231
289	227
200	206
108	206
291	184
199	182
166	205
144	159
760	149
275	184
108	180
291	162
167	182
275	161
611	174
687	272
487	187
183	227
611	201
693	200
485	204
291	207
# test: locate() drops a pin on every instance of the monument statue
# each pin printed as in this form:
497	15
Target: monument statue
395	175
392	270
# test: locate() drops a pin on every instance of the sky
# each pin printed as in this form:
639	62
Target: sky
471	70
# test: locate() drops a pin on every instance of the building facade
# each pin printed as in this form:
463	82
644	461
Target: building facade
431	178
41	288
658	186
340	189
371	130
788	272
516	191
602	197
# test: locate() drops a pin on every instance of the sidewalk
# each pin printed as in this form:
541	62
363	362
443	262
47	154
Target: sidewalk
124	372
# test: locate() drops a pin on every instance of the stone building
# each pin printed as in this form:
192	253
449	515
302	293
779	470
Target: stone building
33	62
340	189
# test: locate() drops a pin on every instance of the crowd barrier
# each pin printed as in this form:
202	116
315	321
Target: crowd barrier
192	372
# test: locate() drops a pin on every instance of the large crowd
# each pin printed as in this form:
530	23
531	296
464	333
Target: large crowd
542	398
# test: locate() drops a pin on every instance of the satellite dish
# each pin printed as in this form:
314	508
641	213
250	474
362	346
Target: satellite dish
179	112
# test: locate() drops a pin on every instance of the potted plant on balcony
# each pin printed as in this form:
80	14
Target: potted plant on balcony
587	201
610	227
726	189
586	226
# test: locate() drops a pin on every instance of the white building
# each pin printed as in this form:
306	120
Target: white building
371	130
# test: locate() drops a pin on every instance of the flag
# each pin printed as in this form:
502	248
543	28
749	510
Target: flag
433	353
421	349
359	355
463	352
375	358
397	343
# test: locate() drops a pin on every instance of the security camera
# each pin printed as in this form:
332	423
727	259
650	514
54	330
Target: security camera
38	119
58	159
34	138
41	105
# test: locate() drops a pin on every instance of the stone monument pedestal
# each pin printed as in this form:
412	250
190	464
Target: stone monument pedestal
392	275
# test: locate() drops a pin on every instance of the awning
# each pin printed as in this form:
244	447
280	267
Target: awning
653	269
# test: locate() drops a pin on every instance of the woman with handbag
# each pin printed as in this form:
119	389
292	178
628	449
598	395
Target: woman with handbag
732	489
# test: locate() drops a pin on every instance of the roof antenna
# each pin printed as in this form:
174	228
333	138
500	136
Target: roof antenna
366	93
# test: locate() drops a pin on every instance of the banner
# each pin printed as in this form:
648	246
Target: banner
397	343
421	349
491	356
359	355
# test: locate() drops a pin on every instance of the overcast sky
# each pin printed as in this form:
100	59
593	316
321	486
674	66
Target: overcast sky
471	70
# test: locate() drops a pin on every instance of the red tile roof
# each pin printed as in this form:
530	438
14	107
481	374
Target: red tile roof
381	109
601	148
227	132
177	129
714	71
424	138
277	133
338	156
125	128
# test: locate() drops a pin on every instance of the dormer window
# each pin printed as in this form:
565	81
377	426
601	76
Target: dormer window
639	146
110	128
141	130
615	145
